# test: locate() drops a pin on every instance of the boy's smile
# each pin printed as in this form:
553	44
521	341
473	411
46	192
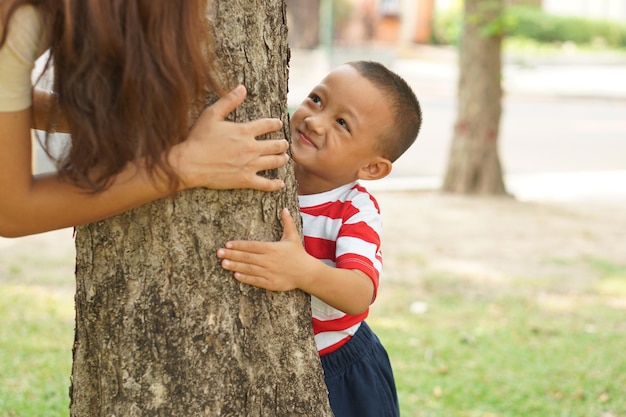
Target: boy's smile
305	140
335	131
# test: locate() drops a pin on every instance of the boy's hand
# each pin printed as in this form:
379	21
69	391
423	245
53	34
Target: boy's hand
275	266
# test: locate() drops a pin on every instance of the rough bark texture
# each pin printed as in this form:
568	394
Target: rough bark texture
474	165
161	329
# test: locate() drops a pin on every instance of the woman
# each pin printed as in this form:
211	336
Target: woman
126	74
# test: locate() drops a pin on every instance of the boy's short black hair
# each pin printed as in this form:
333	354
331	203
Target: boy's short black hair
404	106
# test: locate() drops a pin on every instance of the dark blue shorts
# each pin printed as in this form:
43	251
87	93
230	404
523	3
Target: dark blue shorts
359	378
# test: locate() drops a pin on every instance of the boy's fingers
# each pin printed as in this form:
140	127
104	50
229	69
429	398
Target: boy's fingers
244	248
290	231
243	266
254	280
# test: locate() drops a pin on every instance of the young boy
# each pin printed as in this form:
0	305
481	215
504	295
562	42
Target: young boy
352	126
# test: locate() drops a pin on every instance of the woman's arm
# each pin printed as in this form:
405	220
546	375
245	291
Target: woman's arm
217	154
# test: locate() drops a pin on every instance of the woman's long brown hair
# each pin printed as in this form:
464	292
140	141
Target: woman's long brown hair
128	74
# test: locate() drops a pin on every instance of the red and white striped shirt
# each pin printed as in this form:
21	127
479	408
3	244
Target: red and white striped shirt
342	228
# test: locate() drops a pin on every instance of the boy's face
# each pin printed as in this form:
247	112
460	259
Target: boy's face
335	129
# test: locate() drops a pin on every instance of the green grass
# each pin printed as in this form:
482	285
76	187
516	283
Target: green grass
480	350
505	355
36	335
520	45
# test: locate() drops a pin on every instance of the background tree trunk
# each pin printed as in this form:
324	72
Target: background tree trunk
304	19
161	329
474	165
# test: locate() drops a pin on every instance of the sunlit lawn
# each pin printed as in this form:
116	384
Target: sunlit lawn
473	352
509	349
36	334
506	355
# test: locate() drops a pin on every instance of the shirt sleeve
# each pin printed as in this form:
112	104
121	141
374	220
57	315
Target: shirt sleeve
358	243
24	44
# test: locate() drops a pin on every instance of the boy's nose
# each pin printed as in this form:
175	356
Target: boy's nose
314	124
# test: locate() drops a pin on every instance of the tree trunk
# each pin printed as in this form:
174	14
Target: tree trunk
303	18
161	328
474	165
424	22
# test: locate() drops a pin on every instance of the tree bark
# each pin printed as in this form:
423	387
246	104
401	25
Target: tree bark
474	165
161	328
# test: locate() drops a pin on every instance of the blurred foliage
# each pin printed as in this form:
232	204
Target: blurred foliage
532	23
529	22
342	12
447	25
489	17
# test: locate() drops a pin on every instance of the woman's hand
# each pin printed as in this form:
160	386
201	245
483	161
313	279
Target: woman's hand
217	154
220	154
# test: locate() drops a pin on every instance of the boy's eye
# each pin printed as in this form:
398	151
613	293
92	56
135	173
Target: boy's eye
315	98
344	124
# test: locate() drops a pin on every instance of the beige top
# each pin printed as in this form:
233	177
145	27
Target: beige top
26	42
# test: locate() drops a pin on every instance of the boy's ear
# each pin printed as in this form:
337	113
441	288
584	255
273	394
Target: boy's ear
376	169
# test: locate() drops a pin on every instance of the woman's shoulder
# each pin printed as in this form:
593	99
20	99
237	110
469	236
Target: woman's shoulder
25	42
27	31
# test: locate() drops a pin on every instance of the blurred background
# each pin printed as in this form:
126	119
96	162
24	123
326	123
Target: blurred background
562	130
563	66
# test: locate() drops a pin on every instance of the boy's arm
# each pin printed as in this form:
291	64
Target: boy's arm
285	265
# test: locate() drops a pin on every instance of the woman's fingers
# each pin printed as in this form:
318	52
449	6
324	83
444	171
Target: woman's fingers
273	146
225	105
220	154
271	154
264	126
267	162
266	184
